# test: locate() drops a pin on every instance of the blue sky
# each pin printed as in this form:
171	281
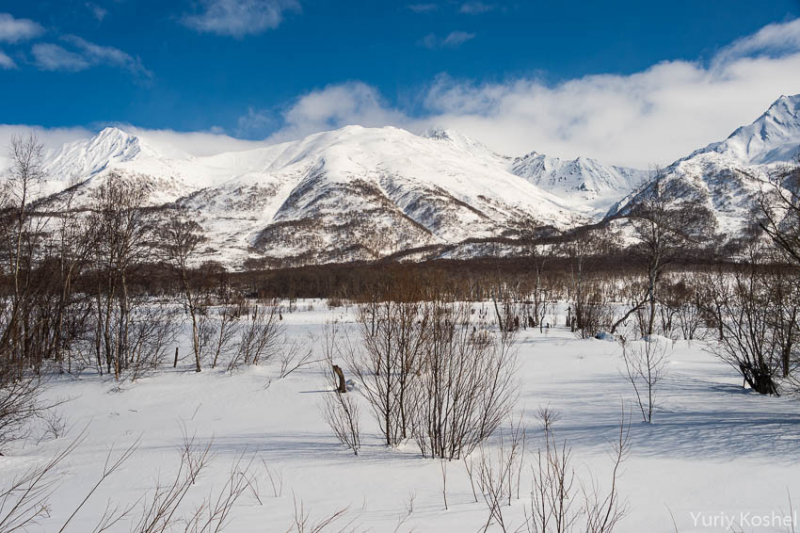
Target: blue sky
280	69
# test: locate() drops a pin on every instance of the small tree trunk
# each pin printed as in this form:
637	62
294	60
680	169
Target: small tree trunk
341	385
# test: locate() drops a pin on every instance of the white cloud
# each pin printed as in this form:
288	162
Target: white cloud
256	122
196	143
14	30
423	8
238	18
51	138
334	107
179	144
107	55
650	117
773	39
6	62
84	55
452	40
50	56
476	8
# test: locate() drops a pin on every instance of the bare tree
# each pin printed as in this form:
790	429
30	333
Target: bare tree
779	209
339	409
124	229
749	342
180	237
645	367
665	226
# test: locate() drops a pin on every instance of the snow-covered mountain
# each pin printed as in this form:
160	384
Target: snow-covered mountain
588	180
351	194
720	176
366	193
772	138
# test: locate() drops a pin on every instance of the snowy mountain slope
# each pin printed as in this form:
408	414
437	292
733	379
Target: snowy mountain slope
367	193
351	194
720	177
586	179
360	193
772	138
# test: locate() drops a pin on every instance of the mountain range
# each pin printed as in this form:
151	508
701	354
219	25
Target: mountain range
367	193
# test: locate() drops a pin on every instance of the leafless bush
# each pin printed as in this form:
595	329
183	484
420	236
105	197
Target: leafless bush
275	480
260	337
303	523
339	409
386	362
19	404
748	341
214	513
294	356
152	331
560	501
645	367
500	472
25	499
55	424
218	337
466	385
433	372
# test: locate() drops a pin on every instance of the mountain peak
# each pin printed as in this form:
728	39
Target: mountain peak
88	157
772	137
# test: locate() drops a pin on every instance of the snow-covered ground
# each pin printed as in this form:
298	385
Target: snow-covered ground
714	450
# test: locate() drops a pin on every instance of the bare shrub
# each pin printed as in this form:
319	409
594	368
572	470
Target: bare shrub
560	501
19	404
645	367
303	523
294	356
260	337
218	332
25	499
500	474
748	341
466	385
386	362
339	409
152	331
55	424
341	413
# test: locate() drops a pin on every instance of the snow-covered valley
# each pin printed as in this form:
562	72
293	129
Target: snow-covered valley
713	450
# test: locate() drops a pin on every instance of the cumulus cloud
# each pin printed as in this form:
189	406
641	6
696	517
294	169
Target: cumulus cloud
13	30
6	62
238	18
650	117
452	40
334	107
84	55
476	8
